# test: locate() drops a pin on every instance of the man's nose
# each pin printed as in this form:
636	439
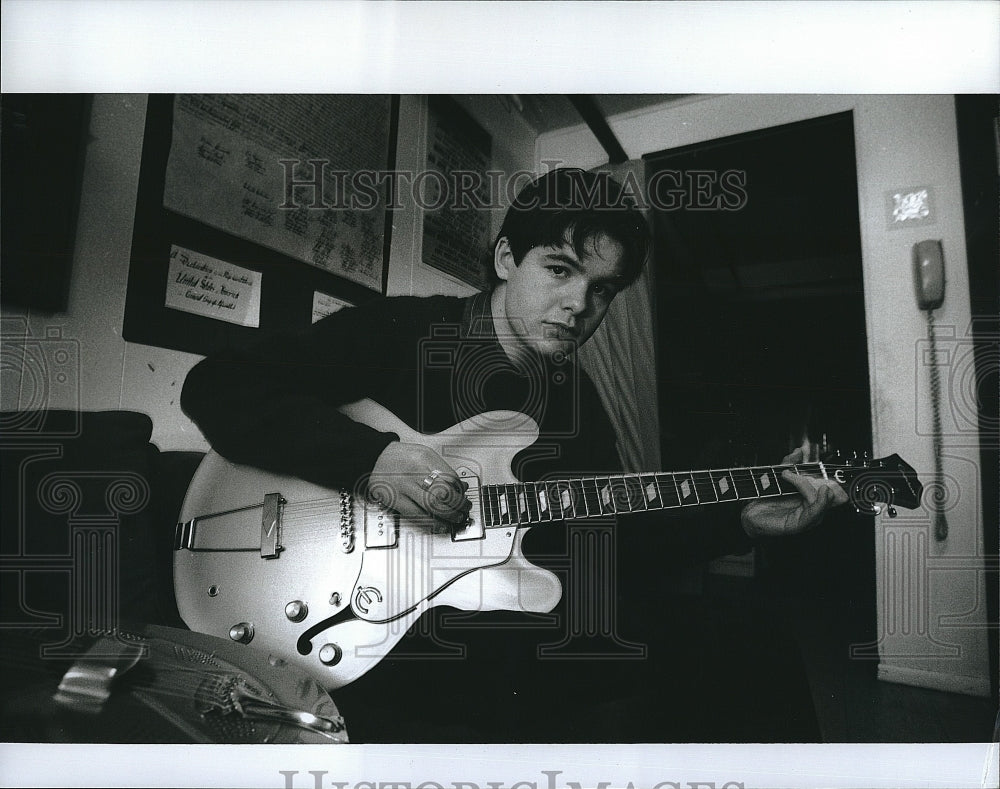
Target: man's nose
575	299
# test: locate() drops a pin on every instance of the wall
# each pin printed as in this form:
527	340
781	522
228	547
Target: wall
930	596
513	150
104	371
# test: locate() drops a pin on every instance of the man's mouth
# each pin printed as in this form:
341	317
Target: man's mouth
560	331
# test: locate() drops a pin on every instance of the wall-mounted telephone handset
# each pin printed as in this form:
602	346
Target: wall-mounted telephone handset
928	282
928	274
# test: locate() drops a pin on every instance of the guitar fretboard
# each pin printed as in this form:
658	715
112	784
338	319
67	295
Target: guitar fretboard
526	503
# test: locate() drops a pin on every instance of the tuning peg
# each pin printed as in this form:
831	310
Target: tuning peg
892	512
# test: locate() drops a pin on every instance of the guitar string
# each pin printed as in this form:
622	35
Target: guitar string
318	510
325	502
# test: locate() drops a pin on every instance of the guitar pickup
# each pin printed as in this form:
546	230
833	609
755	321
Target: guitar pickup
381	527
473	528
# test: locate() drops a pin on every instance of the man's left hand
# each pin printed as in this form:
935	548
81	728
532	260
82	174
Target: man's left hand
788	515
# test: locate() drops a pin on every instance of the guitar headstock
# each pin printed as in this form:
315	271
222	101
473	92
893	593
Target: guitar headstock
872	483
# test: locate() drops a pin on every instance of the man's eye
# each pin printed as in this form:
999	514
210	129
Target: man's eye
603	290
559	271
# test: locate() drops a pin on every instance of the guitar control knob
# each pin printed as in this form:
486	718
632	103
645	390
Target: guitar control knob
330	654
296	611
241	633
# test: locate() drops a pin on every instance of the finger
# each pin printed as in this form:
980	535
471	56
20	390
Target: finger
795	456
804	486
445	497
838	495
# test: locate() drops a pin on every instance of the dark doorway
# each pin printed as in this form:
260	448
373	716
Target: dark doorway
761	322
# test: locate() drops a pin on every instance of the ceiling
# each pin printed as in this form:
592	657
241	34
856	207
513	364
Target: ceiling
547	112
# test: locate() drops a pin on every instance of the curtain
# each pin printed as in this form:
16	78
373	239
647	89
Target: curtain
621	359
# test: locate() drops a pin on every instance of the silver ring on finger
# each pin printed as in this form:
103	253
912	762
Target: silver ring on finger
430	479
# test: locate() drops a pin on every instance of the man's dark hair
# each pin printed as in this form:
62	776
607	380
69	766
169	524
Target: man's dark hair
574	205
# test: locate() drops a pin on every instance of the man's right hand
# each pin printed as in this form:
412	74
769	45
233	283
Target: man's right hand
416	481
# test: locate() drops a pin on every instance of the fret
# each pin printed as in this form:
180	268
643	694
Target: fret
669	494
619	494
687	492
744	482
650	491
510	494
555	504
506	516
636	497
542	497
497	509
705	487
566	499
592	496
580	508
523	516
606	495
788	487
531	501
486	492
725	488
484	497
503	511
767	481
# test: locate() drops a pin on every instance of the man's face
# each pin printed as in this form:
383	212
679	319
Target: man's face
555	299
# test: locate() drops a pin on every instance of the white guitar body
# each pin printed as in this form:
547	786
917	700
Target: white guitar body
330	582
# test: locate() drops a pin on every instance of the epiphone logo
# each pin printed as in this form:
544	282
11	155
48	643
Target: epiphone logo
365	596
840	476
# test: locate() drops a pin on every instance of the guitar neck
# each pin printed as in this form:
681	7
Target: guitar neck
529	503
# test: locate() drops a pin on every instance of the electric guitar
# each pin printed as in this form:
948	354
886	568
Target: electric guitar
330	580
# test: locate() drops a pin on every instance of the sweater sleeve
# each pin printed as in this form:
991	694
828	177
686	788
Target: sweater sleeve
273	405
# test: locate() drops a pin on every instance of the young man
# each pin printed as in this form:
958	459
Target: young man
567	246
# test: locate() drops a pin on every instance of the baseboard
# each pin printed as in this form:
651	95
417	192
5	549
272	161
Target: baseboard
934	680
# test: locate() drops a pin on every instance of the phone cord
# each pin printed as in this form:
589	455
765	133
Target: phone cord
940	490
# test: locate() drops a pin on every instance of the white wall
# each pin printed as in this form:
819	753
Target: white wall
111	373
513	150
114	374
930	596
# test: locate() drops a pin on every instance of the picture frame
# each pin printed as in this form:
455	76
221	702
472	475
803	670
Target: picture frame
283	286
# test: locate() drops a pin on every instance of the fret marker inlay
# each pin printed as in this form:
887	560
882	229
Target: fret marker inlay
765	481
722	485
651	493
685	489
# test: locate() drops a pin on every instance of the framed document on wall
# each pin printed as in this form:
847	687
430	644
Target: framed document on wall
248	205
456	229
